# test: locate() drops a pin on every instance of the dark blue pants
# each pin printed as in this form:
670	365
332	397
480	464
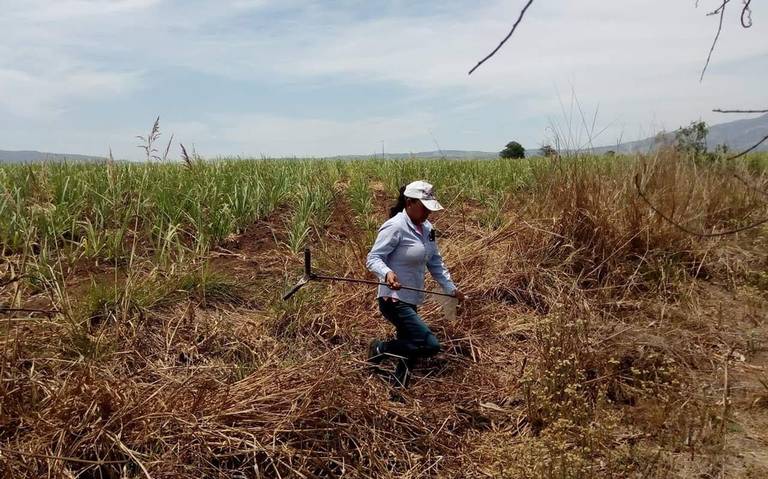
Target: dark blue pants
414	338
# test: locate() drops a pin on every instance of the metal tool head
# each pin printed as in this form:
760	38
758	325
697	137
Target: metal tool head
298	286
305	279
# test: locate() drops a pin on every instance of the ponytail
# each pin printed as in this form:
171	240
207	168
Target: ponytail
400	205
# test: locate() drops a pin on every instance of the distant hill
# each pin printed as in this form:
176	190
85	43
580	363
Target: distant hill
738	135
38	156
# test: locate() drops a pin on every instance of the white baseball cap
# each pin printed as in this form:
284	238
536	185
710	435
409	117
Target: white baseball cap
421	190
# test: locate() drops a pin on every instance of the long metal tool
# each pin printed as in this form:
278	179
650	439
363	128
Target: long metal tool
310	276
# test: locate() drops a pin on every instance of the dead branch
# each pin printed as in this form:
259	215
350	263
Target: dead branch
519	19
718	110
738	155
746	15
721	11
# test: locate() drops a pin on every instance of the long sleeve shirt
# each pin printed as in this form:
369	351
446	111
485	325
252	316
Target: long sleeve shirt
402	248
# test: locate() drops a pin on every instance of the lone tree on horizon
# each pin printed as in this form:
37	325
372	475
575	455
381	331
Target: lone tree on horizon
513	150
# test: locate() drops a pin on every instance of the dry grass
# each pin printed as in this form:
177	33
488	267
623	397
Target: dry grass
595	343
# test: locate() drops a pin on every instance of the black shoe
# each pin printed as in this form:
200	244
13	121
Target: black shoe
376	352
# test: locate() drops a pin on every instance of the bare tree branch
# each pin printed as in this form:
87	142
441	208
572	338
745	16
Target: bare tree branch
677	225
746	13
519	19
738	155
721	11
718	110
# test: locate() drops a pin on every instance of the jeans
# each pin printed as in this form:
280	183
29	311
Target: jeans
414	338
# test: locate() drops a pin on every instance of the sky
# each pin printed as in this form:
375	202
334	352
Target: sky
320	78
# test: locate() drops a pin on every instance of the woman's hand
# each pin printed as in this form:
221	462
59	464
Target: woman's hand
392	281
459	295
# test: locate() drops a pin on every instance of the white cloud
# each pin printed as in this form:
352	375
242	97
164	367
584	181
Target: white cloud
63	10
29	95
247	4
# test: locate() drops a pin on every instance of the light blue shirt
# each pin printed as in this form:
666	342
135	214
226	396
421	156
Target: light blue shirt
399	247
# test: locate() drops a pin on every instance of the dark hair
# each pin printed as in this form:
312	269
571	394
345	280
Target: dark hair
400	205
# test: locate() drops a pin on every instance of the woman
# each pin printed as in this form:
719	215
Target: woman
404	246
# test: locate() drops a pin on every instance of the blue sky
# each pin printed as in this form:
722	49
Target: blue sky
317	78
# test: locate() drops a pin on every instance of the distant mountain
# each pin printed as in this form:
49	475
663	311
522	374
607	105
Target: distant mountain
37	156
738	135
